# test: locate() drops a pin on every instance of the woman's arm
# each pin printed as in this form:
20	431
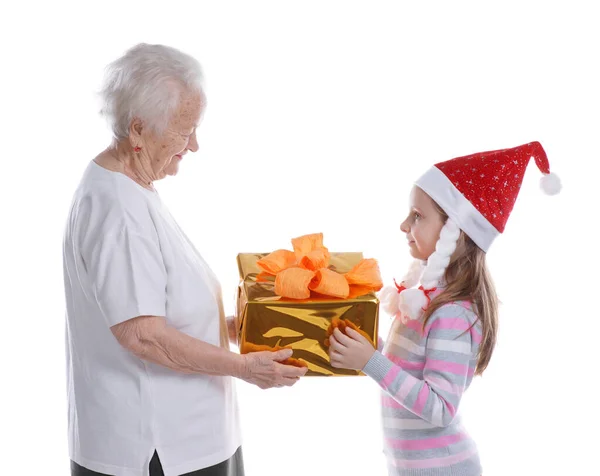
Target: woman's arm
151	339
232	330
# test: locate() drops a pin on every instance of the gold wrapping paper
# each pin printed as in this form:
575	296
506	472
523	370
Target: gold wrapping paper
265	319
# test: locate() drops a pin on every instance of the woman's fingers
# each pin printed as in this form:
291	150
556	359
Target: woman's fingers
291	371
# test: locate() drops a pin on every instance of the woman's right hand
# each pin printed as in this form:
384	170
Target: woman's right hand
264	369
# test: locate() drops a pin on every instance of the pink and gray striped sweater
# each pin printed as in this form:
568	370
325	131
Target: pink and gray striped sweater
423	376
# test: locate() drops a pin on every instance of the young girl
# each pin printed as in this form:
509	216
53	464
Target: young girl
444	331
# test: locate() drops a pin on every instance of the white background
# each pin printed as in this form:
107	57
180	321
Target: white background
320	116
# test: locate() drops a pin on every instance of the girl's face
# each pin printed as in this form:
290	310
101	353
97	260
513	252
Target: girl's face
423	224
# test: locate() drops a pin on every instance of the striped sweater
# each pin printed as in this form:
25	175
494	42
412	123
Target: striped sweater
423	375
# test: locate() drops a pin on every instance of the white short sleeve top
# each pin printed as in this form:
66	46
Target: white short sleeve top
125	256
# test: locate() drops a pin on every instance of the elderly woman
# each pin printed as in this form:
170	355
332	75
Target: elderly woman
150	372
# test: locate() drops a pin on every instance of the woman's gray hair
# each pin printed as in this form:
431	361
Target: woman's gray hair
146	83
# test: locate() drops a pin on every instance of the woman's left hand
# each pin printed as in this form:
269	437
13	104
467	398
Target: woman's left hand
349	351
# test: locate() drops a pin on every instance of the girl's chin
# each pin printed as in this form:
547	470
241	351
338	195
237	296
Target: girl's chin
415	253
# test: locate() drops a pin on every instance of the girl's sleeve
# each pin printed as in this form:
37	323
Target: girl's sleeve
450	354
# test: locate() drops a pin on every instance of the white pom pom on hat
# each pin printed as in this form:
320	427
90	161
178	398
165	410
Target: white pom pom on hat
413	303
389	297
550	184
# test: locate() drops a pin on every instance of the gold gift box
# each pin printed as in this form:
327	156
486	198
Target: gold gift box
266	319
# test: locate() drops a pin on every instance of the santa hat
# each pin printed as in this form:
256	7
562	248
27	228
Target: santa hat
478	193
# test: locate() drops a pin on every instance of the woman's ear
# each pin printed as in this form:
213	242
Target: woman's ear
135	132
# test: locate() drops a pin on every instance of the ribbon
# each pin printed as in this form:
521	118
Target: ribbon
304	271
399	287
427	292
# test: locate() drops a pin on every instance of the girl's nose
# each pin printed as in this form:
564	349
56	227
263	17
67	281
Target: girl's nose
404	226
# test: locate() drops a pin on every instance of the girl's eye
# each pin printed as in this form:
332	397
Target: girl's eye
416	215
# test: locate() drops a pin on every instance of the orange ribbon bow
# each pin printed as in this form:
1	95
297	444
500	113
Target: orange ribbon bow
305	269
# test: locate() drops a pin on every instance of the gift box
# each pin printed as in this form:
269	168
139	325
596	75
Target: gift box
268	320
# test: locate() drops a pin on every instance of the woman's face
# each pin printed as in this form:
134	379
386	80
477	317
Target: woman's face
162	153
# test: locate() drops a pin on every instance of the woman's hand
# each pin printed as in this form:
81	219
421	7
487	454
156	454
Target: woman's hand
264	369
349	351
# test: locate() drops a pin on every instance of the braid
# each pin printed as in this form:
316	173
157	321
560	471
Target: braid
440	259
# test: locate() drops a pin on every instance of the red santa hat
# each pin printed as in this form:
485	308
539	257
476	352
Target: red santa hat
478	193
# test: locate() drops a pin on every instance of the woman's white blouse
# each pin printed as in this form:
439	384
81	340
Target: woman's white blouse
125	256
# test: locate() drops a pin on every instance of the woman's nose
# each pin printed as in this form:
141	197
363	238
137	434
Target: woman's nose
193	143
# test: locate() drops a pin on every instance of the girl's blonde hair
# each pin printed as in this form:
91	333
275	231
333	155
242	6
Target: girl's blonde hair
468	279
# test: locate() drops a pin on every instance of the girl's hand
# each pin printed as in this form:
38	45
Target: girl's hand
349	351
